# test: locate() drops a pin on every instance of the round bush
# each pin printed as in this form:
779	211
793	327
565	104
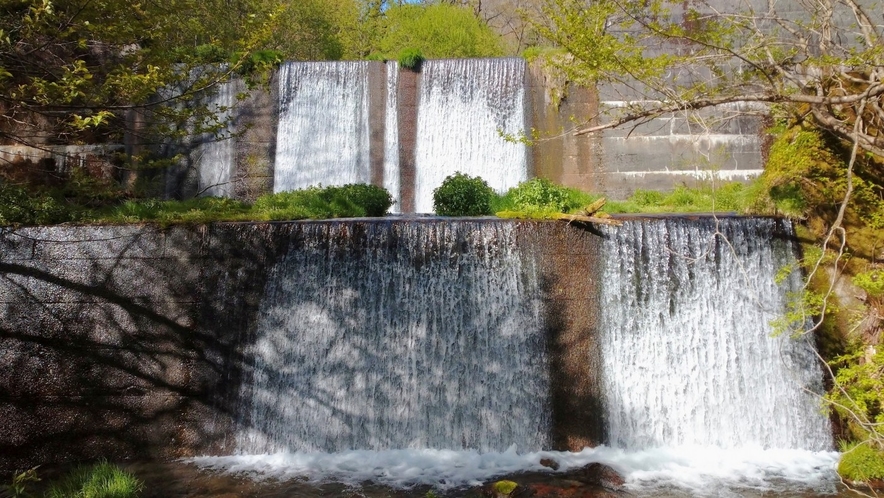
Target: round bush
371	198
463	195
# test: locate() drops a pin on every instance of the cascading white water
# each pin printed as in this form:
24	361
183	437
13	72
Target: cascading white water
323	129
216	152
391	137
465	107
399	335
688	355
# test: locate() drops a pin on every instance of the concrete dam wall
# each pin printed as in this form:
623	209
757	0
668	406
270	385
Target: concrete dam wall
142	342
455	334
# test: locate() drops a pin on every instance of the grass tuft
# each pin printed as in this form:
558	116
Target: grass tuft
101	480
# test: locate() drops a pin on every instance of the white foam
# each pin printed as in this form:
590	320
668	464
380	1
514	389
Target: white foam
697	470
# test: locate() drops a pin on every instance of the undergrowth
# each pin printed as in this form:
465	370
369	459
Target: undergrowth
18	206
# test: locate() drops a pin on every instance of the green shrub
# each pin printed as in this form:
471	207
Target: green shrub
411	58
102	480
539	194
348	201
538	197
18	206
463	195
861	463
373	200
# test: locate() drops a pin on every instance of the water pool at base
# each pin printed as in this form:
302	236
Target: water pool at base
686	471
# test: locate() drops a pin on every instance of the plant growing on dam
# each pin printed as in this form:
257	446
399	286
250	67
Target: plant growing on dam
348	201
463	195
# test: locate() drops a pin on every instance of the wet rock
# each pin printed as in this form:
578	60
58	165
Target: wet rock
566	489
549	463
600	475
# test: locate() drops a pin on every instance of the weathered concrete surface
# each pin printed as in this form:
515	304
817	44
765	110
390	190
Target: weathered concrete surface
129	341
122	342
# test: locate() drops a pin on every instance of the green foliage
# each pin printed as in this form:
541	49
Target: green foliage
602	40
801	308
539	193
871	281
859	397
463	195
18	206
102	480
437	30
315	29
729	197
411	58
85	190
197	210
536	197
861	463
801	171
21	481
348	201
101	58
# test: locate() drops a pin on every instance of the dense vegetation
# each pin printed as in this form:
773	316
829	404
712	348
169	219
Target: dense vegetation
349	201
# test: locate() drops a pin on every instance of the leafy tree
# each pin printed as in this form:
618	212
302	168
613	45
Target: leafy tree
438	30
318	30
71	69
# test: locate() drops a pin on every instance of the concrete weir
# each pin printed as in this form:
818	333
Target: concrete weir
140	342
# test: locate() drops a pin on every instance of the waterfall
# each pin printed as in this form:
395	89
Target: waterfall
323	129
688	356
465	106
383	335
391	137
217	153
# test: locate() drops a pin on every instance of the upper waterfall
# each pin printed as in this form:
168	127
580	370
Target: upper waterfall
323	129
217	154
466	108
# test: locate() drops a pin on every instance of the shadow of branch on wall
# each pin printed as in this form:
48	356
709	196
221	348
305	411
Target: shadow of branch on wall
113	343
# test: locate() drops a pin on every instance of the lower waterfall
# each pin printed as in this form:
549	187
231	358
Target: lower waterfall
388	336
417	352
688	356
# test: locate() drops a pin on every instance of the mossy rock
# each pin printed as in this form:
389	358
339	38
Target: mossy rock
503	488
